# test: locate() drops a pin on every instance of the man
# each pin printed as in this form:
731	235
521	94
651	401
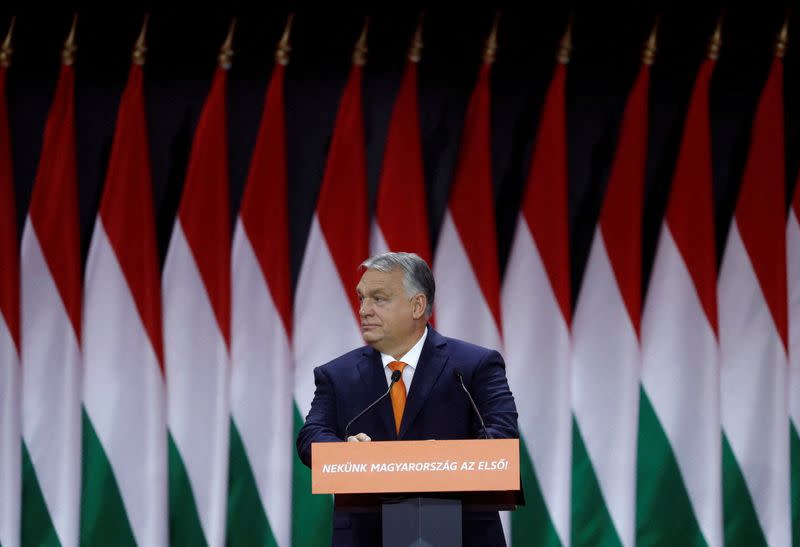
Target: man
396	293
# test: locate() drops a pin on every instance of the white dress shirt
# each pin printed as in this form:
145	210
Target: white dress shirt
411	358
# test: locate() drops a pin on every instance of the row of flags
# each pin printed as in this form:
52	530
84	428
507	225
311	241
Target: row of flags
159	409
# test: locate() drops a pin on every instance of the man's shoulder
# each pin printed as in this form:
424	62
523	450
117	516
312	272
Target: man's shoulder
456	346
346	360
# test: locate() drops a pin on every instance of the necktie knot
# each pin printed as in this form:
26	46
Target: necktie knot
397	365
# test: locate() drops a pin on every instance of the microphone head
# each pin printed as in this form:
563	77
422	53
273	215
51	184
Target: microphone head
396	375
457	374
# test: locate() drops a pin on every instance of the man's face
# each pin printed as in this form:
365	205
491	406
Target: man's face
389	318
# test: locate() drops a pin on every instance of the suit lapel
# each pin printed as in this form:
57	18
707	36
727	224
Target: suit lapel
429	368
374	378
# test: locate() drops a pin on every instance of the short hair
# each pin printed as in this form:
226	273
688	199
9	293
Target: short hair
417	275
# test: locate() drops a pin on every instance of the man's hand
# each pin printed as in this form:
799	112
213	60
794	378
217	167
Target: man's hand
359	438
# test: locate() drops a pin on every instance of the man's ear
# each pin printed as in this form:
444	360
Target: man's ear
420	302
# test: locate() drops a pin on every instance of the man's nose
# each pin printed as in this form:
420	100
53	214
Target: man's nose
365	309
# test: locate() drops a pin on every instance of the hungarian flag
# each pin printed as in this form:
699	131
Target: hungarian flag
793	268
401	222
326	322
124	499
10	424
536	315
466	265
196	299
679	425
50	268
259	512
606	353
753	339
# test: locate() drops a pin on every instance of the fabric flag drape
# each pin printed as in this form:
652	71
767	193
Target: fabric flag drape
678	472
401	216
124	500
466	266
325	295
793	269
606	353
753	336
10	424
536	315
196	300
50	272
261	362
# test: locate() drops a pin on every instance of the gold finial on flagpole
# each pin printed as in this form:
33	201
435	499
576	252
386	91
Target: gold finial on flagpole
284	47
715	43
6	50
226	51
415	50
565	47
649	52
140	48
68	53
490	50
783	38
360	49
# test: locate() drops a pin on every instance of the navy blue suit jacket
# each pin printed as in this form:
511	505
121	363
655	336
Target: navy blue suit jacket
436	408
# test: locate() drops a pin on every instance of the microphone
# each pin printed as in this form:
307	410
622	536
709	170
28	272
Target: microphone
460	377
396	375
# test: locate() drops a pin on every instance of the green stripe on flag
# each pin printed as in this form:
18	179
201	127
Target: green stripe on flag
739	513
312	515
37	527
795	471
247	521
664	513
184	520
591	521
104	520
531	524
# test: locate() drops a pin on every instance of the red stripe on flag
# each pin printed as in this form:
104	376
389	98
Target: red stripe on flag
621	216
545	201
127	208
264	210
402	210
760	210
54	202
9	250
204	210
342	205
690	211
471	198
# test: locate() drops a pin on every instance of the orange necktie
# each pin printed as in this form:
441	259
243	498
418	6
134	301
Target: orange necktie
398	394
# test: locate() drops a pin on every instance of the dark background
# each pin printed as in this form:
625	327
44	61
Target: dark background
605	59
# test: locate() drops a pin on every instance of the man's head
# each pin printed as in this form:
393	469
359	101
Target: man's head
396	294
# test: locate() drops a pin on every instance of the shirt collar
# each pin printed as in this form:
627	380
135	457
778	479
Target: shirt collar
411	358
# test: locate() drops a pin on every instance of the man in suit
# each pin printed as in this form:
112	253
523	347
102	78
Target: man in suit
396	293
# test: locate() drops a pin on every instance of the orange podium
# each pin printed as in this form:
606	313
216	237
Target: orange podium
421	487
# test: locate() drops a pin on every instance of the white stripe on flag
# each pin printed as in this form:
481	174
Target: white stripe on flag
377	243
261	385
10	439
680	374
460	307
605	386
793	263
754	390
51	408
124	392
322	330
536	339
197	385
